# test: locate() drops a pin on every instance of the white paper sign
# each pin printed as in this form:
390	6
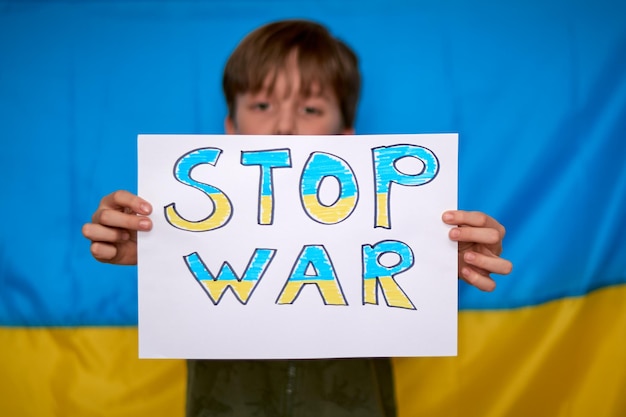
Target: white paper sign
267	247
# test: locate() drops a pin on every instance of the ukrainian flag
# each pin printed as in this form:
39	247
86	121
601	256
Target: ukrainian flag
535	89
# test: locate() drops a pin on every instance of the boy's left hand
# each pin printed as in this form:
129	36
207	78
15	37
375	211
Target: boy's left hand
480	245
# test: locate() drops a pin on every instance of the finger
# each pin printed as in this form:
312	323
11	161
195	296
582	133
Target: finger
103	252
124	253
99	233
118	219
477	278
490	264
474	219
483	235
121	200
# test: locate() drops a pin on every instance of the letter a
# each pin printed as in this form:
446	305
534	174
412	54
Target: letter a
313	258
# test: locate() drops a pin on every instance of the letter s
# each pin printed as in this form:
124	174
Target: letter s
222	207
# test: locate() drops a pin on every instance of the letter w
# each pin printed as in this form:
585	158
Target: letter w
215	287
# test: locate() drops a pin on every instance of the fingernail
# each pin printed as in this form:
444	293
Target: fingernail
469	256
447	216
145	208
144	224
455	233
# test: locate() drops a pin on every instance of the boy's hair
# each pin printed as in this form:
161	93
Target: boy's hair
321	58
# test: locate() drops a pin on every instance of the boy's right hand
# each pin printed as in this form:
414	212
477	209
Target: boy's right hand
114	225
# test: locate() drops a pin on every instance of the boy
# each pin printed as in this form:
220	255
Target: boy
292	77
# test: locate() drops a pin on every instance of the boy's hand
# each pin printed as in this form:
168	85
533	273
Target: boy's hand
480	245
114	225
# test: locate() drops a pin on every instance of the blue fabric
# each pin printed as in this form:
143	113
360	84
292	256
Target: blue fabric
536	91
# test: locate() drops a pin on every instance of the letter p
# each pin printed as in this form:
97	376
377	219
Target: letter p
386	172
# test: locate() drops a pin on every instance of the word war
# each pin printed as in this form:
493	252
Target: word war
313	258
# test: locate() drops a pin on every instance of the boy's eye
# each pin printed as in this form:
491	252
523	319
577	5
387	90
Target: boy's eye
261	105
312	110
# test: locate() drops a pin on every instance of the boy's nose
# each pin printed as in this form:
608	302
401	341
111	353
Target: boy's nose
285	124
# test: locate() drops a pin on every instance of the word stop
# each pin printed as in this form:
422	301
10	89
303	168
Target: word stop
318	166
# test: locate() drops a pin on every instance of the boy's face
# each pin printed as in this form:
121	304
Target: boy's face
285	110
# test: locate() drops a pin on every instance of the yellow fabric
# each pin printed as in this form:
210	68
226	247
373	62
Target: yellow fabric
566	358
85	372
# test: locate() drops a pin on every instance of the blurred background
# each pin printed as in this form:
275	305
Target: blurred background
535	89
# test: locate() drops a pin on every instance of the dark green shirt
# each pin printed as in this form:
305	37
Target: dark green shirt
291	388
